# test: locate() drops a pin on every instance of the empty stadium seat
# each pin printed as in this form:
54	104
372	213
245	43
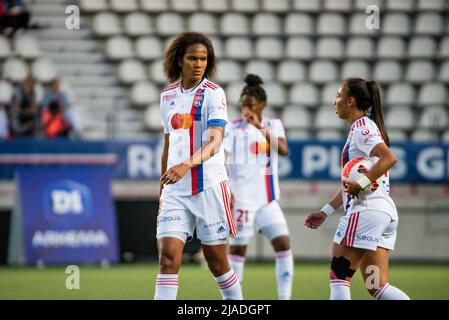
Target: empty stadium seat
296	117
363	4
137	24
307	5
131	70
232	24
262	68
218	46
184	5
143	93
400	93
152	117
443	51
156	72
248	6
5	48
444	72
400	117
429	23
270	48
148	48
327	119
330	135
299	24
239	48
360	48
290	71
278	6
396	24
445	136
400	5
304	93
6	92
391	47
43	70
338	5
27	46
233	91
106	24
90	6
119	48
169	23
419	71
434	117
301	48
228	71
266	24
432	93
329	93
355	69
331	24
154	5
386	71
202	22
357	25
432	5
298	134
329	48
422	47
397	135
215	6
323	71
123	5
424	136
276	95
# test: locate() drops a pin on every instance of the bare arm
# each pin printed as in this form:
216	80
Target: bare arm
315	219
279	144
214	140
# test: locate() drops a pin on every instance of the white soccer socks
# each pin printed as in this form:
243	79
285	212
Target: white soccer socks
284	274
166	287
388	292
238	264
229	286
340	289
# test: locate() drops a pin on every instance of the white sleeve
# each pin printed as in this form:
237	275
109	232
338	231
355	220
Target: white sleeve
217	108
366	138
278	129
227	142
164	120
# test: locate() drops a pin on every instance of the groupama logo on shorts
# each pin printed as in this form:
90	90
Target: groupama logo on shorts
67	203
181	121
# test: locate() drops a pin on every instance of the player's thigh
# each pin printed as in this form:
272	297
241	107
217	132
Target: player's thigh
346	257
374	268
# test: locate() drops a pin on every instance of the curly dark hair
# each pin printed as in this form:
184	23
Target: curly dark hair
177	50
253	88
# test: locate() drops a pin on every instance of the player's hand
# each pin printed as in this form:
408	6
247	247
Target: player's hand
314	220
251	117
351	187
175	173
232	201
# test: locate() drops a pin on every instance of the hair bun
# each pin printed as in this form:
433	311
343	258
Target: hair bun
253	80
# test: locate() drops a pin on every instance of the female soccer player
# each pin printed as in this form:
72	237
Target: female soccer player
367	231
194	190
252	145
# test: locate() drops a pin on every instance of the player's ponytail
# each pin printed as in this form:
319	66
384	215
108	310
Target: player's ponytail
376	109
367	95
253	88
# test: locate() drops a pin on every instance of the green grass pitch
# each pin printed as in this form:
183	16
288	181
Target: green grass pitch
136	281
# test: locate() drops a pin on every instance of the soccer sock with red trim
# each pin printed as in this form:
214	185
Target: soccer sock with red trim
166	287
229	286
284	274
238	264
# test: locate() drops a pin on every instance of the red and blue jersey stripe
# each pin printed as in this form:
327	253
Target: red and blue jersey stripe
195	133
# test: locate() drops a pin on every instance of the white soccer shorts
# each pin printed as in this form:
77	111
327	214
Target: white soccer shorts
367	229
209	211
269	216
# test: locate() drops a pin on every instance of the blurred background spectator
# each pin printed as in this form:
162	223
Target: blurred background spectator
13	16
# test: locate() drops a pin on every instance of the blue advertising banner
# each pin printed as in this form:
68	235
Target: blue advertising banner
63	215
140	160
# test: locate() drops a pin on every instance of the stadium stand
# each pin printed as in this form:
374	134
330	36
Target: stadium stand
113	63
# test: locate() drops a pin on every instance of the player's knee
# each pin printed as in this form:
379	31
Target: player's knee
281	243
340	268
169	263
238	250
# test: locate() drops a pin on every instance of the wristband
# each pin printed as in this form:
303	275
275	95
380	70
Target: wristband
327	209
364	181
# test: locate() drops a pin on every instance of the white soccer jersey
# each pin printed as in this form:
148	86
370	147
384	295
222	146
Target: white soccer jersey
186	115
363	137
252	166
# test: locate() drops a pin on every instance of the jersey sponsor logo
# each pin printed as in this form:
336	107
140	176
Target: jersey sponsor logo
169	218
259	147
222	105
365	131
221	229
181	121
169	97
367	238
372	135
